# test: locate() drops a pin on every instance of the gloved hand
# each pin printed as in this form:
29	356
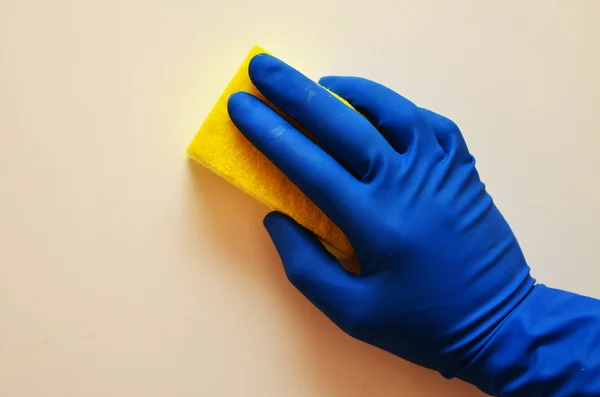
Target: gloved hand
441	268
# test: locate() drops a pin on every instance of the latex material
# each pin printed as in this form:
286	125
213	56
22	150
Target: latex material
549	346
444	283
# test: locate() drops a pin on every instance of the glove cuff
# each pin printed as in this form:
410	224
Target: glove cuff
548	346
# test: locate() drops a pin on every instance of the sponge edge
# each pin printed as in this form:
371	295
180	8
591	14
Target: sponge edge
221	147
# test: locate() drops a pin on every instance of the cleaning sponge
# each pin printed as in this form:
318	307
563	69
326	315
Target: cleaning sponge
221	147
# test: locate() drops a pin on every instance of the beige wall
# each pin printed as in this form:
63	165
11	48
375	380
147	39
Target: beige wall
124	272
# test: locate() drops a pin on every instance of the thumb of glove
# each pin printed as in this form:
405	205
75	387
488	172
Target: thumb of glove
317	274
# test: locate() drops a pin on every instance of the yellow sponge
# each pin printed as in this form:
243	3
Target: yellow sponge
222	148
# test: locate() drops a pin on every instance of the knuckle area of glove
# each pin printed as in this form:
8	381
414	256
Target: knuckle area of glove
372	165
446	125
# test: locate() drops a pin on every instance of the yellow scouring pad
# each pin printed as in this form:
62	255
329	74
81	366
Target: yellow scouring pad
222	148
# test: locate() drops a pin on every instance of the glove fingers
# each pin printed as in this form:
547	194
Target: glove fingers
344	132
307	165
315	272
448	135
399	120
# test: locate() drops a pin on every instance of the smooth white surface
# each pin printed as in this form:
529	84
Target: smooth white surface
125	272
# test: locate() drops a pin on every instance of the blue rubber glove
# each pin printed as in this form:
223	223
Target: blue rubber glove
444	283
